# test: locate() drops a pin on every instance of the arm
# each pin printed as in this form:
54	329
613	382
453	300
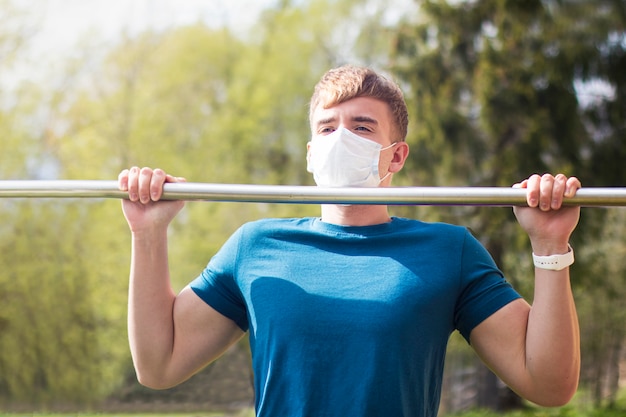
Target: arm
535	349
171	336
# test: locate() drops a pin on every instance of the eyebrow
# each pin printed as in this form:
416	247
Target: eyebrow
361	119
325	121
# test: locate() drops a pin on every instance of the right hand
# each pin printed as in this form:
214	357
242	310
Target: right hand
142	209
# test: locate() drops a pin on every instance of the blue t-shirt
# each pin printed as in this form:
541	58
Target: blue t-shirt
351	321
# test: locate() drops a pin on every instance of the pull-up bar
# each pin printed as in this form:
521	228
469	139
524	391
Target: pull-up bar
434	196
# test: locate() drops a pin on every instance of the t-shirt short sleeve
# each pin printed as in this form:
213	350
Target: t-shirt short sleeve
217	284
484	290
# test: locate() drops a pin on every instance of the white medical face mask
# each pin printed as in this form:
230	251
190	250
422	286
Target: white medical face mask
344	159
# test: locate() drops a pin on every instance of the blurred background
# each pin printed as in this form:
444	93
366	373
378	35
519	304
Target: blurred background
217	91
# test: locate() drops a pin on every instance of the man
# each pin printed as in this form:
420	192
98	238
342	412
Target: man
349	314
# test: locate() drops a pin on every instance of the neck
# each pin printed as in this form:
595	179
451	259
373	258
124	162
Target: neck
355	215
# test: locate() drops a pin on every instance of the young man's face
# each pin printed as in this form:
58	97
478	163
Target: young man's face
364	116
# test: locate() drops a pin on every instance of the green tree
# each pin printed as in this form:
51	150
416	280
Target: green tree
15	101
604	307
205	103
59	337
53	335
212	106
493	92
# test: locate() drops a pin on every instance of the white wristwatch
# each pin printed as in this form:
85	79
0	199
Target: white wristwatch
555	262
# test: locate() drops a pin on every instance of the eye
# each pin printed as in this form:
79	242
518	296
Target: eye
363	129
325	130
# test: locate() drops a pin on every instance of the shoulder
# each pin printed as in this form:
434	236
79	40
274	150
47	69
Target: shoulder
438	237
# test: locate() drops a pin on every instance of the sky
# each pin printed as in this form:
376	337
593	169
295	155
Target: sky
109	16
63	22
57	27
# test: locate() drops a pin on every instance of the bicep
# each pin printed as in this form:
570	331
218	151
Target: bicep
201	335
500	341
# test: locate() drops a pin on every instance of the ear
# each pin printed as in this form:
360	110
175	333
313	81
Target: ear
308	153
400	153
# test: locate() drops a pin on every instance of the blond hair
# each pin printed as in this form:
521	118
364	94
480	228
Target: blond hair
347	82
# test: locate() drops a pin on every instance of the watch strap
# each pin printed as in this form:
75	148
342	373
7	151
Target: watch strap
555	262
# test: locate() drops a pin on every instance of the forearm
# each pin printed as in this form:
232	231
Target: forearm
539	353
151	299
552	337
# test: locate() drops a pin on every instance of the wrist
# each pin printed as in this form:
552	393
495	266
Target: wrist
549	248
148	234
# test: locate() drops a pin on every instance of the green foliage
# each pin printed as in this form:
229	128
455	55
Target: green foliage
205	103
602	307
54	334
567	411
497	91
490	81
493	89
83	414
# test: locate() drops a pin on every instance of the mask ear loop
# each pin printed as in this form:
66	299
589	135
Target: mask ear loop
388	173
385	177
388	147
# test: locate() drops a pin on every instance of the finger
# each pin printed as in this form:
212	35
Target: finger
545	192
133	184
122	180
558	191
145	177
533	186
171	178
156	184
572	185
522	184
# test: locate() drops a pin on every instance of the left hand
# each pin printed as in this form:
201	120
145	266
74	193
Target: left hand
548	224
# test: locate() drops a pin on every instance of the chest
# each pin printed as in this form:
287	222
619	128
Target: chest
357	290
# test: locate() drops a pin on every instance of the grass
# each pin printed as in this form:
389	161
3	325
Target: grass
538	412
567	411
113	415
244	413
575	409
95	414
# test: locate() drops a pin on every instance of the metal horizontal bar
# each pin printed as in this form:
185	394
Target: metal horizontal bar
435	196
